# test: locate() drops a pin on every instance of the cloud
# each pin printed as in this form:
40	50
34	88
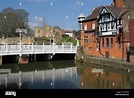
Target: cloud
32	25
78	2
40	19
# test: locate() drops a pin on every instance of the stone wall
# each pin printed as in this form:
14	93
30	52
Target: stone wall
104	61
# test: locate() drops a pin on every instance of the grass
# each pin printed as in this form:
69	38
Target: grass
67	39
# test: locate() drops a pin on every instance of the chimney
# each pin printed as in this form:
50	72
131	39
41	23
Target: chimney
118	3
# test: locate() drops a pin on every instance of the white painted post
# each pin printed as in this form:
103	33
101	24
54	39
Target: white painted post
71	46
6	47
62	47
32	47
20	42
43	47
53	47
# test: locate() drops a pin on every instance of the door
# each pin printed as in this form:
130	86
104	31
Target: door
107	54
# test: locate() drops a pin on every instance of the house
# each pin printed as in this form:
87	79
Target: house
106	31
69	33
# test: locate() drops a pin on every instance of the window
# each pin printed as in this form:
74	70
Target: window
107	17
119	44
104	27
85	39
97	43
93	25
108	26
107	42
102	42
85	27
113	25
90	49
111	42
100	27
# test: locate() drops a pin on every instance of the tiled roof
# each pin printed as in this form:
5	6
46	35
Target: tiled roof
116	12
94	14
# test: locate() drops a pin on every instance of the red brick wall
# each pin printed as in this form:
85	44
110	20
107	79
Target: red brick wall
118	3
89	25
132	58
131	28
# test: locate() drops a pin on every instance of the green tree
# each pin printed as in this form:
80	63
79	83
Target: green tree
11	19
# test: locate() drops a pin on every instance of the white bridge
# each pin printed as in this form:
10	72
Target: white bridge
36	49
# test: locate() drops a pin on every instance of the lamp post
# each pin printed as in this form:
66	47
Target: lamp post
4	29
3	39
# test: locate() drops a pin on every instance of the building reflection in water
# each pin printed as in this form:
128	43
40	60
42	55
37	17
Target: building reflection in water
99	77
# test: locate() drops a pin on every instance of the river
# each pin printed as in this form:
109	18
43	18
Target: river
64	74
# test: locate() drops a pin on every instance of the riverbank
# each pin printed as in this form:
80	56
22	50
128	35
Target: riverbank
81	56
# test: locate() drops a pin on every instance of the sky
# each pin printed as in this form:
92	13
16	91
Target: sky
62	13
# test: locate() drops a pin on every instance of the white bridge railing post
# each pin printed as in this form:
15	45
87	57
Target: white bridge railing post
7	47
43	47
20	48
71	46
32	47
62	47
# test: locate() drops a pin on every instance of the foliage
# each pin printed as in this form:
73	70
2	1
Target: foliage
11	19
67	39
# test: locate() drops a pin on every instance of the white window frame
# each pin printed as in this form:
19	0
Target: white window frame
85	27
93	25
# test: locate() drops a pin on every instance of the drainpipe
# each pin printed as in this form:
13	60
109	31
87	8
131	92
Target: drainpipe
122	45
100	51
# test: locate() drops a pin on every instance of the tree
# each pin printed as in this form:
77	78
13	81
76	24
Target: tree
11	19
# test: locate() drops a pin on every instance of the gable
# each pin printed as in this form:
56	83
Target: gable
104	11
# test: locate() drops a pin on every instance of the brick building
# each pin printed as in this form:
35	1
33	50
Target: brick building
107	31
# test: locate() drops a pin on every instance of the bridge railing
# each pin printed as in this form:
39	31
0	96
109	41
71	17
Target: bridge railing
31	49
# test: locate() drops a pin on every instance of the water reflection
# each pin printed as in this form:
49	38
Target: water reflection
41	75
104	77
66	74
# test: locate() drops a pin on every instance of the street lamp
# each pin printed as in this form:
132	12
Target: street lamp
5	22
3	39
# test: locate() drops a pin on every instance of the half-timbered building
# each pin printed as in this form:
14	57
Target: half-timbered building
107	31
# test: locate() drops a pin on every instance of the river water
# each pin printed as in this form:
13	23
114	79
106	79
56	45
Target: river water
64	74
